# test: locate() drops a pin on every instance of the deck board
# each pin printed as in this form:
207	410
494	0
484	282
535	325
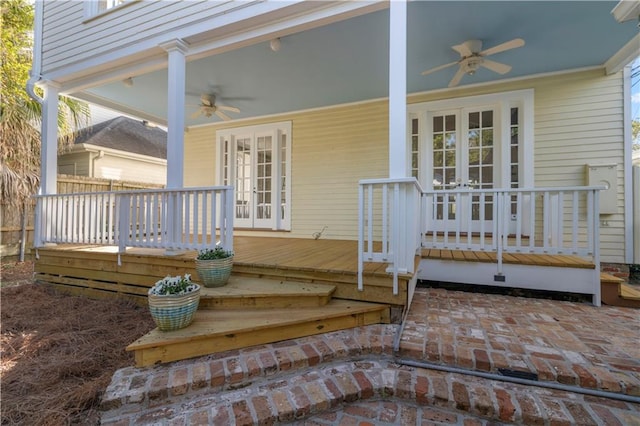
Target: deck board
513	258
333	262
218	331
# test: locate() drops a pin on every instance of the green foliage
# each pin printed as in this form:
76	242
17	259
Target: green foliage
20	116
173	285
635	134
215	253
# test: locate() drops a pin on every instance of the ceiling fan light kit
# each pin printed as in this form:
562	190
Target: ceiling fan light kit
472	57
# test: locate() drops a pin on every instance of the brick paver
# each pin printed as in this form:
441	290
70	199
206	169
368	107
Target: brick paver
570	343
352	376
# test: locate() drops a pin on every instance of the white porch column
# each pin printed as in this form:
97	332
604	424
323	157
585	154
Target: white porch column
49	140
175	112
398	161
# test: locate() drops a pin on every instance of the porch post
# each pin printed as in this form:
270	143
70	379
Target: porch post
175	140
398	89
175	112
49	140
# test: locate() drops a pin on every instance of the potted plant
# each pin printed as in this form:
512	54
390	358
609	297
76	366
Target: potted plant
214	266
173	301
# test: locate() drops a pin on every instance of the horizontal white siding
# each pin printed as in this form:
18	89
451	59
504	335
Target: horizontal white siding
578	120
118	168
594	135
74	164
136	28
331	151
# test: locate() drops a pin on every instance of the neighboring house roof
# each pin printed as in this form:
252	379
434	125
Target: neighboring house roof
126	134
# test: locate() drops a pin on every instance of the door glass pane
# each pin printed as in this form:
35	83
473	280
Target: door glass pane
243	178
283	175
444	150
480	166
480	151
515	155
415	152
263	177
445	142
225	161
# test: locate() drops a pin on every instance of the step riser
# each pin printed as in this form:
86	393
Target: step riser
611	296
213	344
275	302
376	289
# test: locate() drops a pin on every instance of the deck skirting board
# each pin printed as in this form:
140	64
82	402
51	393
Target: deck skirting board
549	278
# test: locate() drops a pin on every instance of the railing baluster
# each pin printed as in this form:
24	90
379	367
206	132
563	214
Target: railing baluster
546	217
213	217
532	220
370	220
434	216
591	206
385	221
574	219
445	219
560	234
361	224
518	219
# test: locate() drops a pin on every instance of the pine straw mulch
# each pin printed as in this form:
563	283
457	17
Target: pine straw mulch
58	353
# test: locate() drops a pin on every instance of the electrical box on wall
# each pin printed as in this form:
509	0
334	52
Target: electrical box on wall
605	175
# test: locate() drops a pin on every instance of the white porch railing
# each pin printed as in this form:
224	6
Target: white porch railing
562	220
397	218
389	225
193	218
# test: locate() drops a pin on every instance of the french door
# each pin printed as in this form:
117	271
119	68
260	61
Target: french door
254	180
461	146
256	162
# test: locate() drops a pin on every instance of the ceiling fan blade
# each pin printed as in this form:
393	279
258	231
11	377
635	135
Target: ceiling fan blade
495	66
456	78
516	42
463	49
441	67
228	108
195	115
222	115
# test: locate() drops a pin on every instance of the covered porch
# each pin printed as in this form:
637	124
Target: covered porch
289	165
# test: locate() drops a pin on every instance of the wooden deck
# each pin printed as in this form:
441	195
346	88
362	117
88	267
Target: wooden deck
221	330
94	270
556	260
280	288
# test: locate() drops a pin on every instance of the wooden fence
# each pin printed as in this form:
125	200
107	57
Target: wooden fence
12	227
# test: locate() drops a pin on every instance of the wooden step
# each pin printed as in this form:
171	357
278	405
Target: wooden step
615	292
258	293
215	331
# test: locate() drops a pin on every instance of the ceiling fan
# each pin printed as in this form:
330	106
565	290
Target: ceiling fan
473	57
208	107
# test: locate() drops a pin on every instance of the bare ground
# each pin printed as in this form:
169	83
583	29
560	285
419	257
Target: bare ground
58	352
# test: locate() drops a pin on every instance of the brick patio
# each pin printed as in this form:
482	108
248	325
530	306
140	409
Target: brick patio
352	377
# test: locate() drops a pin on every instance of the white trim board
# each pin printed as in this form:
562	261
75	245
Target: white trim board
548	278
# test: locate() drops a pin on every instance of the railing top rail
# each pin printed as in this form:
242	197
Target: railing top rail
504	190
140	191
392	180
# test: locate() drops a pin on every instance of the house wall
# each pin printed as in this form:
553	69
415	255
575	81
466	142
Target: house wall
77	164
331	150
135	29
118	168
113	167
578	120
113	30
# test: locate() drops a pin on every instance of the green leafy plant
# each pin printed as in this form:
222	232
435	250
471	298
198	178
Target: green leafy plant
214	253
174	285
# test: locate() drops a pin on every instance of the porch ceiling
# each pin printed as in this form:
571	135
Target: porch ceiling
348	61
